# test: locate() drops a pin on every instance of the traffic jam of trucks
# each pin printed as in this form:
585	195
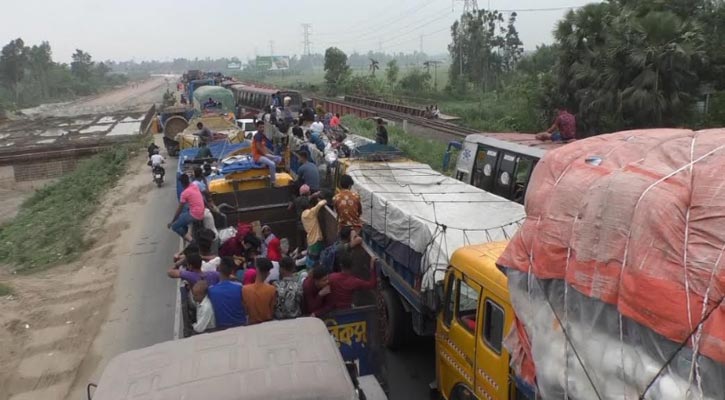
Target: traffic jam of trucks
581	270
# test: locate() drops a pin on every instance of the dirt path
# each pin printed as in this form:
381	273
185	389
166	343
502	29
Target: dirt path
47	327
135	96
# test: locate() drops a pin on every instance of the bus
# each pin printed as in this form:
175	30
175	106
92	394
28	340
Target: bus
251	99
499	163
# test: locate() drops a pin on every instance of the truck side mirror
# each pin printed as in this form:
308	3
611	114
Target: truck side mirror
439	293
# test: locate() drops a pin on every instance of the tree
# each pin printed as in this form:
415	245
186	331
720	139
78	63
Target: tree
512	47
40	60
82	65
13	62
374	66
416	81
391	72
336	68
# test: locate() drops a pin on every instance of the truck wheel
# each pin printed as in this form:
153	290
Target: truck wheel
392	319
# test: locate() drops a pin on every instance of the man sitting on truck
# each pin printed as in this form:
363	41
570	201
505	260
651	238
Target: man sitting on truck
204	310
347	204
289	291
563	129
259	298
226	298
262	155
193	273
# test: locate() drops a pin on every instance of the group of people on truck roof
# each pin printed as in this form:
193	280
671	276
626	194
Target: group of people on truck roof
249	279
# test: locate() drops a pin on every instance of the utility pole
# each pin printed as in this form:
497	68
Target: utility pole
271	48
434	63
307	31
380	46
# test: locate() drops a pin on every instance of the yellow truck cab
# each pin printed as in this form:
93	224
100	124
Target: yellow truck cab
475	314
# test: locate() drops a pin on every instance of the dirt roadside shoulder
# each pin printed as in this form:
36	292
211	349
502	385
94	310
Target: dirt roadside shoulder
48	325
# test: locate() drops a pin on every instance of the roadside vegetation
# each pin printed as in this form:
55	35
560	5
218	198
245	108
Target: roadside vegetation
29	76
5	290
419	149
49	227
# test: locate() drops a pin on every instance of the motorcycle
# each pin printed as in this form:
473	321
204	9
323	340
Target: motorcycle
158	173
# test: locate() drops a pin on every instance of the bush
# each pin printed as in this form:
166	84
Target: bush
49	226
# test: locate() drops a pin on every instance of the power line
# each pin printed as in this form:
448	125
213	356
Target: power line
307	28
381	24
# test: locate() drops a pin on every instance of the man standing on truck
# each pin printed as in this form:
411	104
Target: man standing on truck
289	291
307	173
344	284
262	155
311	222
381	137
347	204
190	209
205	135
314	289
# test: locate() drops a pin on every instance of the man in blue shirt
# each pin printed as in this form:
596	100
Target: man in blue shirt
226	298
307	173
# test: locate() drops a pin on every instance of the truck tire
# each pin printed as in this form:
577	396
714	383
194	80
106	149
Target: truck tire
393	319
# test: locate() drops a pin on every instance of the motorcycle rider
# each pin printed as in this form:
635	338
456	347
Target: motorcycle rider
156	161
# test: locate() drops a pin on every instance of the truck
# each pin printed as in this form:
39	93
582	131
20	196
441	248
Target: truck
414	219
615	277
291	359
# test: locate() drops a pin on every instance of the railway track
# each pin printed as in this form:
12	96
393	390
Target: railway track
366	111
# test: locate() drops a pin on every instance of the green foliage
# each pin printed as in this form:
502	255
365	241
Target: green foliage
480	53
364	85
49	226
336	68
416	148
29	75
391	72
415	81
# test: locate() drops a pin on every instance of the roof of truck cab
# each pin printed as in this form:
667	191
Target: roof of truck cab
522	143
479	263
293	359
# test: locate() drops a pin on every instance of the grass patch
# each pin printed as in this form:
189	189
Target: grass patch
419	149
5	290
48	229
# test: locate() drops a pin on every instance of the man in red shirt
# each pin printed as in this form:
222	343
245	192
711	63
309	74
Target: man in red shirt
190	209
314	289
563	128
344	284
335	121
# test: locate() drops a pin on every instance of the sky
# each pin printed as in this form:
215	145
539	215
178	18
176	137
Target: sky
139	30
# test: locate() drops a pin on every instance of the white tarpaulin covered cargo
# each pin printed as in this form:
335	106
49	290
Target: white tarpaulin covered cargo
430	213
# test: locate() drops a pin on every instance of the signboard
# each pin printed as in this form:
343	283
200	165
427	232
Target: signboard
234	65
274	63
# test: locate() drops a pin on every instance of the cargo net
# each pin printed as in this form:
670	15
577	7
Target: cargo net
616	275
419	216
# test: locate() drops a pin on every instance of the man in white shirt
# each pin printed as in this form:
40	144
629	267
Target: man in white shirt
317	127
204	311
157	159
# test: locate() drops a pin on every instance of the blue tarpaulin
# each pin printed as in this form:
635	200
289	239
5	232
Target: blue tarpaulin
219	150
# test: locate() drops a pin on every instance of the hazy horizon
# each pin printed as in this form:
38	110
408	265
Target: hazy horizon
164	29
